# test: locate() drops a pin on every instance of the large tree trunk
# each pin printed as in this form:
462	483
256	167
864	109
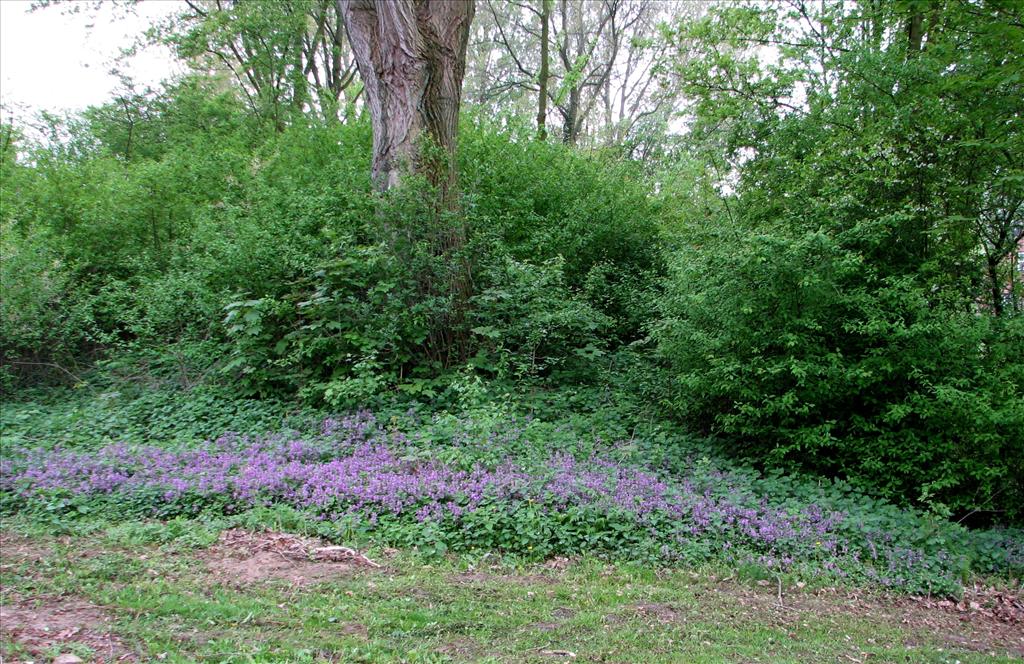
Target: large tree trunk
411	55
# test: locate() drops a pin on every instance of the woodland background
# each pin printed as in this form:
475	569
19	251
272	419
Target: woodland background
791	231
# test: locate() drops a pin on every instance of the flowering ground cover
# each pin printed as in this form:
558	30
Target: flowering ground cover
515	487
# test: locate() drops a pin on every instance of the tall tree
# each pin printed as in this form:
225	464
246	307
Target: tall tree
411	56
544	75
287	57
589	63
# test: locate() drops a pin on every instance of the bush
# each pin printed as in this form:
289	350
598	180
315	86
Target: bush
539	202
354	322
531	323
42	322
271	244
797	353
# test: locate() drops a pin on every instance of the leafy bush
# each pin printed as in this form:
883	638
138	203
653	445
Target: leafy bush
795	351
37	319
179	218
532	323
357	312
539	202
847	277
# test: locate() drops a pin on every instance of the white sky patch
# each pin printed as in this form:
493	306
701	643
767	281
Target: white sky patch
54	61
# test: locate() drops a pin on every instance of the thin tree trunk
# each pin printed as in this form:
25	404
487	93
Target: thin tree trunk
542	102
995	286
915	30
570	130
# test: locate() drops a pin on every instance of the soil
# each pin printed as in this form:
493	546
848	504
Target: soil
45	623
40	623
243	557
988	623
14	549
462	649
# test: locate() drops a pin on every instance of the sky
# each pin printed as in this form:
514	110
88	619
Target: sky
56	61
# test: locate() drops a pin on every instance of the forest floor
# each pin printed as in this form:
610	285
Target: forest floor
143	591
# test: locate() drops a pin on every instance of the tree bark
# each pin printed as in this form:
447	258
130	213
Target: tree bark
542	102
995	286
915	28
411	55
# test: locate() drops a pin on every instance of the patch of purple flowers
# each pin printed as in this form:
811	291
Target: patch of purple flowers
355	467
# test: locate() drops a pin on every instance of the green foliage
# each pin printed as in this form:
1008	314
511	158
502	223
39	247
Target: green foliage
157	397
527	531
880	542
531	323
178	218
783	347
37	322
540	202
358	322
836	310
823	274
98	224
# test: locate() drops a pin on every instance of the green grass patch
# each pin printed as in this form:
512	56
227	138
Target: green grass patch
154	582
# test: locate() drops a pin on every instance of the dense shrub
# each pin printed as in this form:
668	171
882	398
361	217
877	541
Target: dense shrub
845	289
202	224
532	323
35	324
107	218
539	202
798	353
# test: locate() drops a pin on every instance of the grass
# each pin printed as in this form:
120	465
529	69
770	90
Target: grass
165	603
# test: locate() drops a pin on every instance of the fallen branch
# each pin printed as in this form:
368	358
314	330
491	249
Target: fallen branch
559	653
344	552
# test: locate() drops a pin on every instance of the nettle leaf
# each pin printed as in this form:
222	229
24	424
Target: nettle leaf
487	331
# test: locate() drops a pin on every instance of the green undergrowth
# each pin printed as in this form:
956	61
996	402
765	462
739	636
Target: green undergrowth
483	426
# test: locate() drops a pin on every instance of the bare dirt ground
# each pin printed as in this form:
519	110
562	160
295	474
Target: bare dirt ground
242	557
41	623
987	620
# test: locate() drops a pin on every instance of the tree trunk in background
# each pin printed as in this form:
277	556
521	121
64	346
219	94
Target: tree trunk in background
915	27
542	104
411	55
995	285
571	125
